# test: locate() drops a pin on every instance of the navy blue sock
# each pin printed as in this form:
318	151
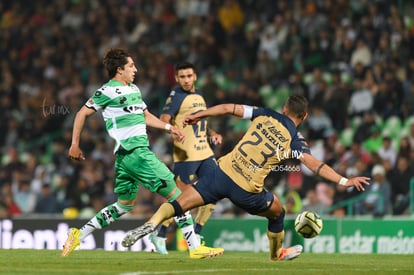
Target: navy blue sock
177	208
197	228
276	225
162	231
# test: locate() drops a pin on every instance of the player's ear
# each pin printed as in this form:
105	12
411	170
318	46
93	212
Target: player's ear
284	110
305	116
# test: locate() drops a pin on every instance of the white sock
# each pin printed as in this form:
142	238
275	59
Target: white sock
103	218
89	227
185	223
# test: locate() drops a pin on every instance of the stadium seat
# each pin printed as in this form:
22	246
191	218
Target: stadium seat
392	127
346	136
407	123
274	98
355	122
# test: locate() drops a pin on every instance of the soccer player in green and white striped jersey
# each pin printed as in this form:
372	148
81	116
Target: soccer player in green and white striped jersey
126	117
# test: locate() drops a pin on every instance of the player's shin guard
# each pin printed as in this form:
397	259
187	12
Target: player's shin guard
275	244
103	218
276	234
166	211
203	214
186	224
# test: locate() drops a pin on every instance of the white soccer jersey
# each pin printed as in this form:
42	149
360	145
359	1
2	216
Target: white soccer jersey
123	112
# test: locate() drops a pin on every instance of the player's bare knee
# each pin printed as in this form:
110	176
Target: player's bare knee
276	209
190	199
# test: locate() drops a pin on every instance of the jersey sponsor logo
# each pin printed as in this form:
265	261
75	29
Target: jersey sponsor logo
278	134
198	104
201	146
90	101
239	170
273	130
267	134
133	109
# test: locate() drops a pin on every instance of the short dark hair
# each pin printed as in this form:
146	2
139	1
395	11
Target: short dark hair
297	105
115	58
184	65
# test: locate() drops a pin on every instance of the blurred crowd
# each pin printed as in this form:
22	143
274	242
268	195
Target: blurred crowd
350	58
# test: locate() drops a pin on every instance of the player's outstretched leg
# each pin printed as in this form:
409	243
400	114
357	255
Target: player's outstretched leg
72	242
134	235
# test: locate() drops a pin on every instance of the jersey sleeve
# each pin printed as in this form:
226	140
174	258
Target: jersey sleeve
299	144
260	111
172	104
98	100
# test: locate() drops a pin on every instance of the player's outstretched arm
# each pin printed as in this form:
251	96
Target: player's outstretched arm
217	110
74	151
326	172
155	122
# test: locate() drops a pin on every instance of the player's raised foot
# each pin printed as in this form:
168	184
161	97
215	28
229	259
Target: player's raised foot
205	252
72	242
290	253
134	235
159	243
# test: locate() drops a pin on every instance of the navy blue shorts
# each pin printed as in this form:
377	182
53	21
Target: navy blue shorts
190	171
217	185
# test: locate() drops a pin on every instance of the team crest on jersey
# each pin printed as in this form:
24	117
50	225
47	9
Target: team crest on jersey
122	100
172	93
90	101
300	135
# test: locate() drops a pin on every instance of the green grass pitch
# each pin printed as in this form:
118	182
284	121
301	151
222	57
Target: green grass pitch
25	261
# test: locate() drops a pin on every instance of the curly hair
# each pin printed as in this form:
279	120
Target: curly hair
115	58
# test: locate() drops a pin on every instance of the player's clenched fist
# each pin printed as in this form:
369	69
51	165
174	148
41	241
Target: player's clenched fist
75	153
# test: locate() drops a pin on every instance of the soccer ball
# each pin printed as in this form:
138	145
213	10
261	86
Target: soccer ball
308	224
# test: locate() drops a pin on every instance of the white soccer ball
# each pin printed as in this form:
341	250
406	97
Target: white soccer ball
308	224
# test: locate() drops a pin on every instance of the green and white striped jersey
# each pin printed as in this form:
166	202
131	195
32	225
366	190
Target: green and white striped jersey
123	112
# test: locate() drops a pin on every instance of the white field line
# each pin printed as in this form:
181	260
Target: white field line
196	271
